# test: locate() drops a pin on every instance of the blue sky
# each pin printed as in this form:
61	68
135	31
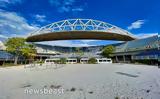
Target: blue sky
19	17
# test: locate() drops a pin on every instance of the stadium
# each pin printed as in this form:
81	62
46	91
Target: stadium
131	50
79	49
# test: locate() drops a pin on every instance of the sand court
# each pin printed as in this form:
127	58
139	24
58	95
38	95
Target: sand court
81	81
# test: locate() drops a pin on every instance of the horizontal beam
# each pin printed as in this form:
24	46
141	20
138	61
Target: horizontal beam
72	35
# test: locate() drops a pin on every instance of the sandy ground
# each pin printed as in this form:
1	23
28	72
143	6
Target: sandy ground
81	81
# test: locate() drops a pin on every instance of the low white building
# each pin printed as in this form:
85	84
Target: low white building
84	60
103	60
71	60
68	60
99	60
52	60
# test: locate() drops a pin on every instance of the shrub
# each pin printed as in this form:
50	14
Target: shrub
116	98
92	61
63	61
107	51
57	61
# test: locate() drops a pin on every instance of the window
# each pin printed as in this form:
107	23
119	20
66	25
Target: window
104	60
100	60
108	60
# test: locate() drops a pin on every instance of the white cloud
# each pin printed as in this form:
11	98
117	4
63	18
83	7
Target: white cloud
12	24
137	24
3	36
89	41
5	3
70	43
79	43
40	18
77	9
67	5
145	35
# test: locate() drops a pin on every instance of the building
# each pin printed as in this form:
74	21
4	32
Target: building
5	56
127	52
138	50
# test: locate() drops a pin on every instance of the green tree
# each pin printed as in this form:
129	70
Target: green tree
29	51
92	61
19	47
77	49
108	50
79	52
63	60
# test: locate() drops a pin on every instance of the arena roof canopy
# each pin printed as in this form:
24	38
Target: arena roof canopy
79	29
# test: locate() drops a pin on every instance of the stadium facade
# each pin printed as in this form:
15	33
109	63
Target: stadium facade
140	50
130	51
127	52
